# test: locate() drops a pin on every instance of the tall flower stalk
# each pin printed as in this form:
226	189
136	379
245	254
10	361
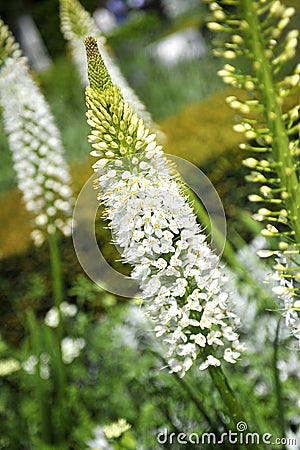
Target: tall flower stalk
153	224
256	31
44	180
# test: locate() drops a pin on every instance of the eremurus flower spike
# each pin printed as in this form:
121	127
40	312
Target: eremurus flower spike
156	231
155	228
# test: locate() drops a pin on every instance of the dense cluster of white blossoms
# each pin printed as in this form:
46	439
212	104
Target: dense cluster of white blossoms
37	151
284	289
156	231
76	24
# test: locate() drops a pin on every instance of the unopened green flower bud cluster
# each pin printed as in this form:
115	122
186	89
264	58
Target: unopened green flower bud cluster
9	48
155	228
256	31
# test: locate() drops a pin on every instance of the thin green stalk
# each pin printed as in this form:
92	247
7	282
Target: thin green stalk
234	408
273	113
189	392
279	396
56	270
59	411
53	340
231	402
194	399
45	412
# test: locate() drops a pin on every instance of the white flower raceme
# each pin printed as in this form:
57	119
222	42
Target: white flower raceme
71	348
156	231
285	289
76	24
274	282
37	151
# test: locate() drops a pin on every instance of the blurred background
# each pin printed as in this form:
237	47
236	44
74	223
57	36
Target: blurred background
164	50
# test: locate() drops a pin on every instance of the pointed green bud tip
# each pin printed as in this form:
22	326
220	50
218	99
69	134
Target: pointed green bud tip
99	77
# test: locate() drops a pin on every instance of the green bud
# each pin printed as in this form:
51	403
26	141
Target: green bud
99	77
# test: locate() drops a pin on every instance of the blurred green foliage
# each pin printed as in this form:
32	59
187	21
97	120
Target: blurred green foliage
45	14
118	375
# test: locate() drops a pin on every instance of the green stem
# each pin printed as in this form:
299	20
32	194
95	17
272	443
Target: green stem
280	402
233	407
54	340
194	399
273	114
58	407
185	386
40	385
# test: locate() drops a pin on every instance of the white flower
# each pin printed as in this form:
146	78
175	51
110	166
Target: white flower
71	348
210	361
230	355
44	366
289	368
30	364
284	290
37	151
52	317
213	337
199	338
68	309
